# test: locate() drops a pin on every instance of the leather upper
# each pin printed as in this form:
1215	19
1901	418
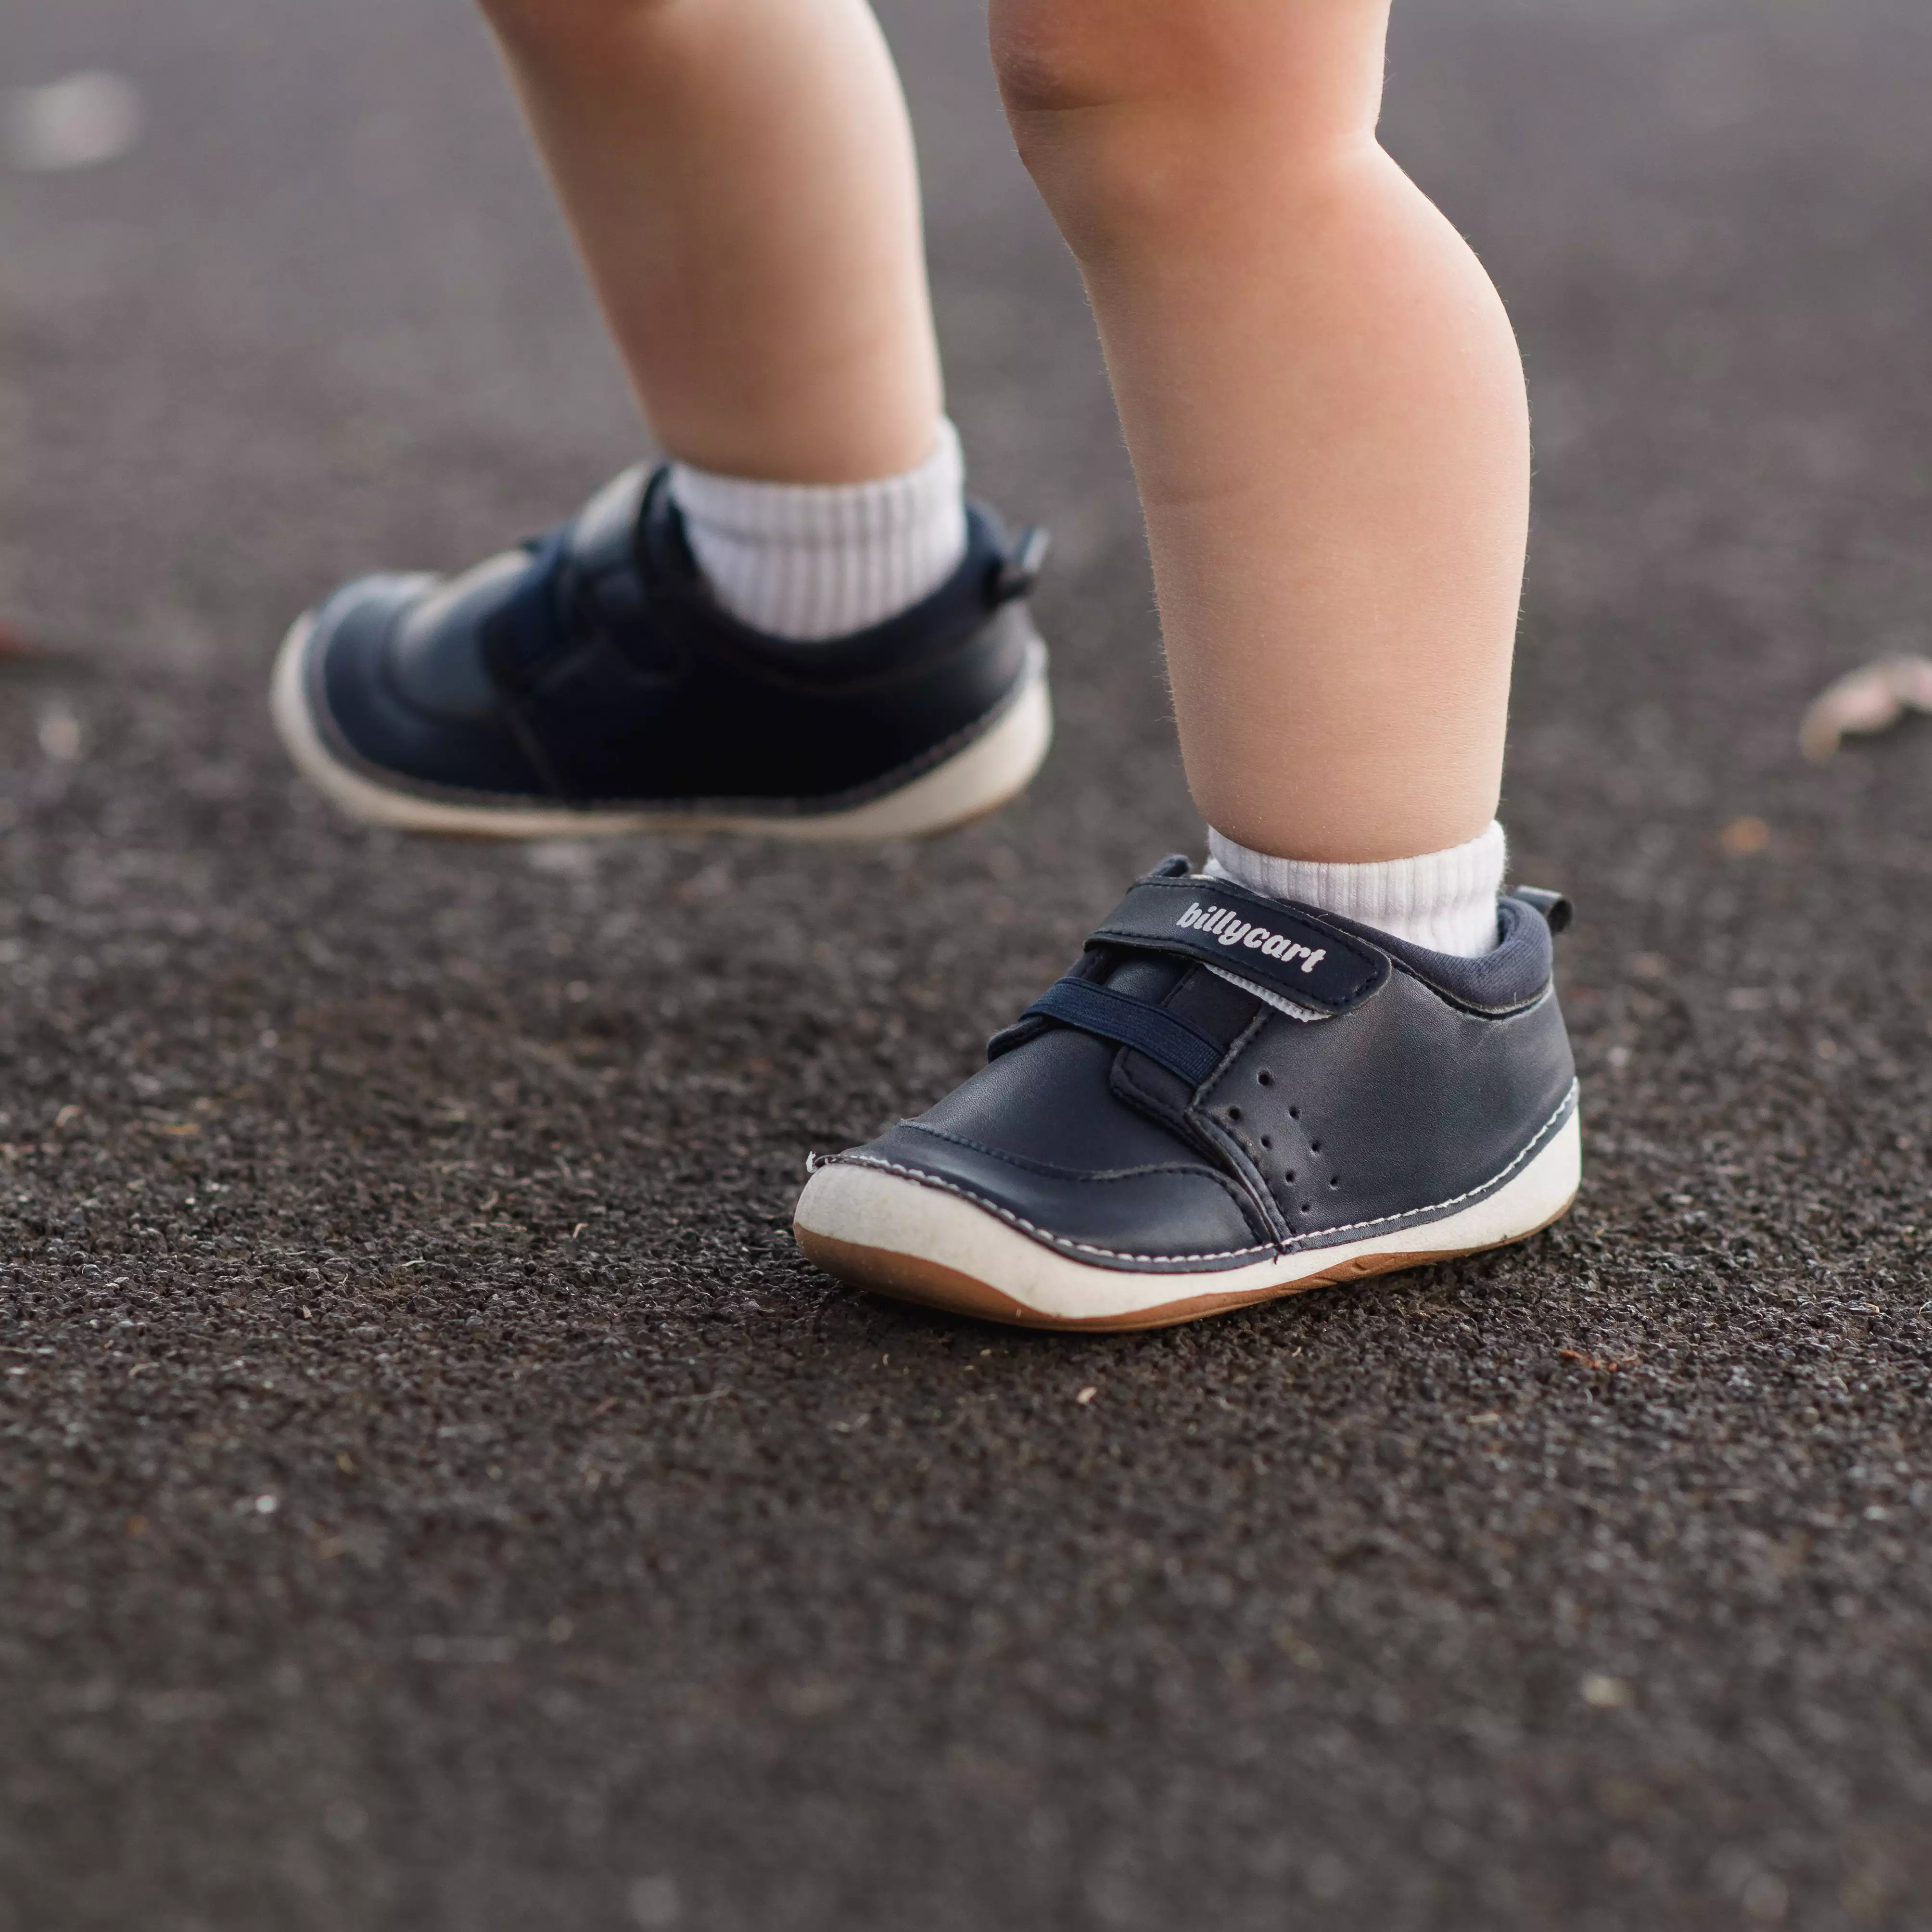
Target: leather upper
1402	1105
592	667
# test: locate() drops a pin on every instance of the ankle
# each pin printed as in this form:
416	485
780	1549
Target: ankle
1443	901
809	561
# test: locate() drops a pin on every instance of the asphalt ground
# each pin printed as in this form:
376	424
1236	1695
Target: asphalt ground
433	1492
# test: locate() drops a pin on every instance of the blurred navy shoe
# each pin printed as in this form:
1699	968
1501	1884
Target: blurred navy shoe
1229	1098
589	682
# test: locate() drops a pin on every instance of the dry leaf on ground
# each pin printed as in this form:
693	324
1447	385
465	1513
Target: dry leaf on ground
1872	698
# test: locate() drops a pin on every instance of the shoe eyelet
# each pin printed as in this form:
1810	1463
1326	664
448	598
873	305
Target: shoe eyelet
1307	1208
1334	1180
1266	1078
1294	1113
1267	1140
1233	1113
1289	1175
1314	1147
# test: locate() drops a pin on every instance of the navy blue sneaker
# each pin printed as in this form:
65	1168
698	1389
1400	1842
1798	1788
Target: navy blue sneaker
1227	1099
589	682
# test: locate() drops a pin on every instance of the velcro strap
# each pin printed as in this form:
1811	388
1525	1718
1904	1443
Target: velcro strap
1290	952
1163	1037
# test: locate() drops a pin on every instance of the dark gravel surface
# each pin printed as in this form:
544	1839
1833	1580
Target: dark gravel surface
434	1494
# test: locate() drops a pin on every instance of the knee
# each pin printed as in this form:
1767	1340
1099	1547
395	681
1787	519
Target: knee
1060	55
1121	100
1069	54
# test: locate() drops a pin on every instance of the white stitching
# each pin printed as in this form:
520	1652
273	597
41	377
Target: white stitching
1048	1171
859	1159
1536	1141
1020	1220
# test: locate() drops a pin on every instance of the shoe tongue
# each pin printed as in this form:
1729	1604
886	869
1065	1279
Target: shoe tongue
592	560
603	536
1146	977
436	659
507	616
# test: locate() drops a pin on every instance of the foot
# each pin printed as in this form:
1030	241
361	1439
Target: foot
588	683
1227	1099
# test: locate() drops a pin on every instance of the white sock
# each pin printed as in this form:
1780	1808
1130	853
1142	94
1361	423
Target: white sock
1445	901
810	561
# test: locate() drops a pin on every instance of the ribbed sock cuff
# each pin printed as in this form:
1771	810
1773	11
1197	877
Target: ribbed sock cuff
1443	901
811	561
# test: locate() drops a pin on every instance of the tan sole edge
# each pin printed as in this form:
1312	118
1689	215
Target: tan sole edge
932	1285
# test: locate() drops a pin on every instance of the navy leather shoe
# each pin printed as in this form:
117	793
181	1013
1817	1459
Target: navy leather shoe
1227	1099
588	681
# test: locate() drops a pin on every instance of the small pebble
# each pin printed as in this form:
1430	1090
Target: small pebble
82	121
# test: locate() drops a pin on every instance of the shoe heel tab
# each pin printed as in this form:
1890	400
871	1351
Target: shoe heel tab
1175	865
1558	914
1016	573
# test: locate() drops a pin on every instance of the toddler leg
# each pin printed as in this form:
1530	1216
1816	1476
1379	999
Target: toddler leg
739	176
1324	405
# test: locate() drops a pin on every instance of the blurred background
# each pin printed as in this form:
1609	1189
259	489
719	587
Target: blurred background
429	1495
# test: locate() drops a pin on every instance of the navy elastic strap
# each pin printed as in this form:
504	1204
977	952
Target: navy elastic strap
1170	1042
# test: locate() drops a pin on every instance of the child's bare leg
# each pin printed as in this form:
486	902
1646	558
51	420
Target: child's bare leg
1323	399
739	175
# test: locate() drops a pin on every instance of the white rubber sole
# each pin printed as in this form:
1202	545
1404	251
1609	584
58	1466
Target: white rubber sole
994	768
902	1237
